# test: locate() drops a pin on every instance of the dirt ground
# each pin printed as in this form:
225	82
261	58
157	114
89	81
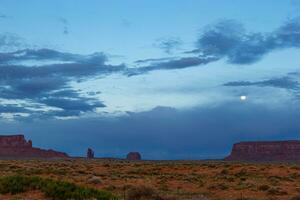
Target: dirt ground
194	180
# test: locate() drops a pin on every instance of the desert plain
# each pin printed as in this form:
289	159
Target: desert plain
161	180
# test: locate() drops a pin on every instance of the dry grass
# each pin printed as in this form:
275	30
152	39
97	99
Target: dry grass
168	180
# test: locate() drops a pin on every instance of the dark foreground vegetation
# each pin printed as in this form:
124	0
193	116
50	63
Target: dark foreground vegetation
58	190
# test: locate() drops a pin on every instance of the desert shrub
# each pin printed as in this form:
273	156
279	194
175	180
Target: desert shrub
242	185
224	171
243	178
263	187
110	188
242	198
212	166
219	186
296	197
222	186
295	167
18	184
276	191
94	180
274	180
142	193
242	173
201	183
294	176
58	190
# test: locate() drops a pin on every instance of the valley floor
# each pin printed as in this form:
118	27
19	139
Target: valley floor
194	180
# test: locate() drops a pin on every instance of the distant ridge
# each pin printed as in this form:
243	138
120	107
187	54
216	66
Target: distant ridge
16	146
288	150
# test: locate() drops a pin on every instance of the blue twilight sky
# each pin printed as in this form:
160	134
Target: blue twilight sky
171	79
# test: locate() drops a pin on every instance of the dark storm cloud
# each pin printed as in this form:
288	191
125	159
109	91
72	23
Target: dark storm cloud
71	104
179	63
76	65
150	60
228	39
12	108
283	82
48	84
31	88
36	86
49	54
169	44
167	133
40	82
63	113
65	93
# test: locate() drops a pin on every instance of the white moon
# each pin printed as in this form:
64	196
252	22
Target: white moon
243	98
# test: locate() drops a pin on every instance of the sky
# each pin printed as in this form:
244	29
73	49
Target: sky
170	79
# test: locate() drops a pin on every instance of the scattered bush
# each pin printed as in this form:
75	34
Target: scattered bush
142	193
224	171
296	197
263	187
18	184
219	186
276	191
58	190
243	172
94	180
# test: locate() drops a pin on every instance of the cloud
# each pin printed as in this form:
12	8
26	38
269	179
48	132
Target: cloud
76	65
13	108
3	16
80	105
283	82
40	54
42	77
64	107
31	87
226	39
65	23
37	75
152	60
11	42
168	45
179	63
229	39
126	23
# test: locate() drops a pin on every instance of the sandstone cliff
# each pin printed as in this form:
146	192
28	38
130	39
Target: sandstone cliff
266	151
15	146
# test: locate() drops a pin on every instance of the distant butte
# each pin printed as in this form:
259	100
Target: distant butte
266	151
15	146
134	156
